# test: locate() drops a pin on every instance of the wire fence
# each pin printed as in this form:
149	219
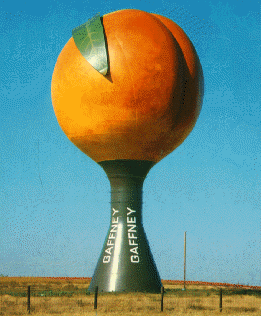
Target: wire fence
73	296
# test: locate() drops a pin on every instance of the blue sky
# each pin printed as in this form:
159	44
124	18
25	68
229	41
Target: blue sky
55	201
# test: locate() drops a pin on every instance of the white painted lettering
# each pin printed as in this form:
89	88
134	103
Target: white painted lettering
106	259
134	250
131	229
115	220
114	211
131	220
110	242
131	235
130	211
109	250
135	259
114	228
132	242
111	236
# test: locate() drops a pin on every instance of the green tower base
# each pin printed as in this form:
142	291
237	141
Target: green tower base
126	263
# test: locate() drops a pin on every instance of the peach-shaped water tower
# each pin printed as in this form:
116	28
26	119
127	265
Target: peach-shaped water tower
127	113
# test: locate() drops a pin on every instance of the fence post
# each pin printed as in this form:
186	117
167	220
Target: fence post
28	299
95	297
220	300
162	295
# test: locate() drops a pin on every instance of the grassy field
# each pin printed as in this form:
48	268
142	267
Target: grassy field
50	296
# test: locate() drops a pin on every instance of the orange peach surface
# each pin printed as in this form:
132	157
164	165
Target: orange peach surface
148	102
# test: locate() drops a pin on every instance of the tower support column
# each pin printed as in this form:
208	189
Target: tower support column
126	262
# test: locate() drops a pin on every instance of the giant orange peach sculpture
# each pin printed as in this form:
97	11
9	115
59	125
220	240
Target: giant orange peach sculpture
149	102
134	116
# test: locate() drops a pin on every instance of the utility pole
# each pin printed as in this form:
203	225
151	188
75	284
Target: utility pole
184	261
